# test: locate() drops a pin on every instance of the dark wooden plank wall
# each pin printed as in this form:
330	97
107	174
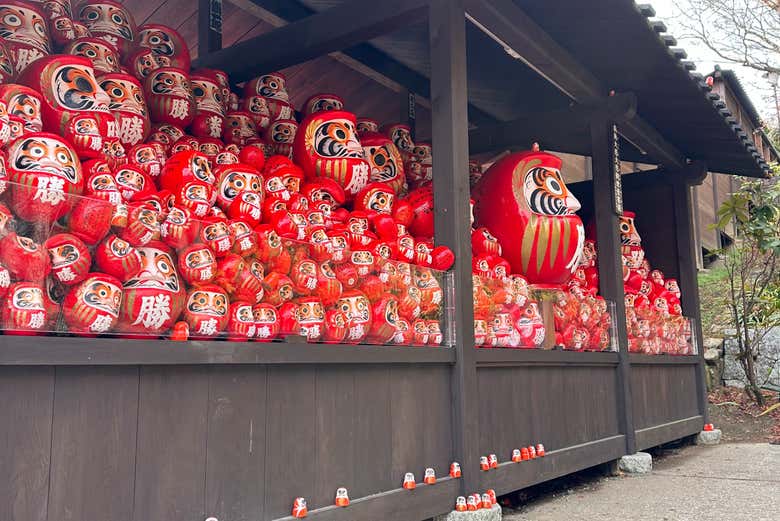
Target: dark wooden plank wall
236	442
362	95
663	394
558	406
654	208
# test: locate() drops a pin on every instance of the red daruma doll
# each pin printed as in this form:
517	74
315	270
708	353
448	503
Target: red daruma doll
92	306
326	145
153	297
206	311
128	106
74	105
355	305
241	324
24	308
169	96
47	170
524	202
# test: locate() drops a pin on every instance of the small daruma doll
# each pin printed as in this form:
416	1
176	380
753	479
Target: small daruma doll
241	324
70	258
25	32
74	105
326	145
208	94
92	306
117	258
47	171
206	311
110	21
385	161
24	104
355	305
153	297
197	264
128	107
524	202
165	43
24	308
169	96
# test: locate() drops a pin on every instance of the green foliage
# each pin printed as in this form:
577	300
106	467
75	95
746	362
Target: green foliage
715	315
752	269
755	211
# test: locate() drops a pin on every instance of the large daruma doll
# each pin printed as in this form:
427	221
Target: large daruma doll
74	105
523	200
326	145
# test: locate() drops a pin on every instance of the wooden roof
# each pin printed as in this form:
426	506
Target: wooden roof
366	96
614	40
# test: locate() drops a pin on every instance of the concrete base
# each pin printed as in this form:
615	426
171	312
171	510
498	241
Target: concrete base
709	437
639	463
483	514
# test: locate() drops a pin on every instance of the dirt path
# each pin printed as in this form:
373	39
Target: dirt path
733	482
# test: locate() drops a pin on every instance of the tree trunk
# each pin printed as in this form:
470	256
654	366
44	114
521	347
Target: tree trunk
750	372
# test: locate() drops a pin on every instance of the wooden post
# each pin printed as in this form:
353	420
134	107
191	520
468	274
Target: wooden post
686	265
449	106
209	26
606	196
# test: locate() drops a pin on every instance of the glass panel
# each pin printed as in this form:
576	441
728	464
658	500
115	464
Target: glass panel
92	267
510	314
658	334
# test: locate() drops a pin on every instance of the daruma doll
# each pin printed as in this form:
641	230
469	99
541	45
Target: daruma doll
523	200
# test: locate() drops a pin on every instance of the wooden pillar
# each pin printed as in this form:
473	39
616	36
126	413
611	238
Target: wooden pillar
608	204
209	26
449	107
686	264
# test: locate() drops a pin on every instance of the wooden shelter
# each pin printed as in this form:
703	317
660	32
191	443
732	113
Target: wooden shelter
120	430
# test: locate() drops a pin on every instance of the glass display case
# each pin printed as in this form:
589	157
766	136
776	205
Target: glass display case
148	269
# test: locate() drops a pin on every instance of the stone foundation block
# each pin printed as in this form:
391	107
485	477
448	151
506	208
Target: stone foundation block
639	463
709	437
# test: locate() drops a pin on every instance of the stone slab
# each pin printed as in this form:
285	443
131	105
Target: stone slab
639	463
709	437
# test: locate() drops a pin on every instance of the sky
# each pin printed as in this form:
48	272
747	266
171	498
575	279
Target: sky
757	88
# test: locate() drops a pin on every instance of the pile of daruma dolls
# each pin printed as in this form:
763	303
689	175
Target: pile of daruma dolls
654	319
140	198
528	246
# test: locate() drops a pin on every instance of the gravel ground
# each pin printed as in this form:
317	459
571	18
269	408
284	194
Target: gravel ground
733	482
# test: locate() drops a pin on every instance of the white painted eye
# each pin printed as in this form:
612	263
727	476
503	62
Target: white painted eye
554	186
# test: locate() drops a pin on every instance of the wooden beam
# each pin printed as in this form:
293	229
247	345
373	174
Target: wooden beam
610	263
331	30
48	350
686	267
209	25
449	100
561	130
363	58
508	25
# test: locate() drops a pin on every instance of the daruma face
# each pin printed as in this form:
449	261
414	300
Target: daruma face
384	159
166	43
523	201
103	56
23	28
110	21
326	145
46	170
